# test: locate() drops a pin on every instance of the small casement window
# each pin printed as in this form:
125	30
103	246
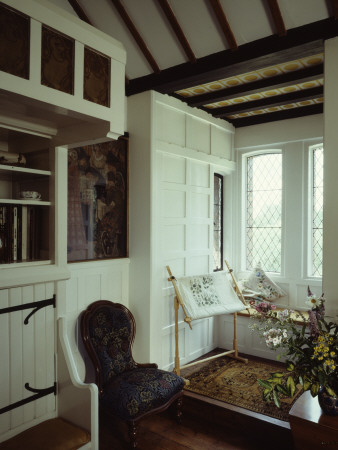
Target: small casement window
218	222
263	223
317	155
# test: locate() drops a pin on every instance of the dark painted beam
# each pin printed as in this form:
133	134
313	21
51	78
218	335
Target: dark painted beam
277	82
79	11
268	102
334	7
277	17
169	13
278	115
223	23
136	35
299	42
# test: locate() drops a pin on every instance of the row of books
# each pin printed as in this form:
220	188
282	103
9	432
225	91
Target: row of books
19	233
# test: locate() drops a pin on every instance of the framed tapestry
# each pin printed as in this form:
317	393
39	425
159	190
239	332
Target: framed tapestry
98	201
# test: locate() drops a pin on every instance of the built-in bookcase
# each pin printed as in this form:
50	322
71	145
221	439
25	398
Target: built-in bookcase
25	230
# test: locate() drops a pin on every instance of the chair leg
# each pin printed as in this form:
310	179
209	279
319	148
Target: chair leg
132	429
179	404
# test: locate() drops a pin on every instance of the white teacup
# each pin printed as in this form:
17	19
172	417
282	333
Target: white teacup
32	195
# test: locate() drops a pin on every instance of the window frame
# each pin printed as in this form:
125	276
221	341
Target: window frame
310	202
294	277
243	207
222	178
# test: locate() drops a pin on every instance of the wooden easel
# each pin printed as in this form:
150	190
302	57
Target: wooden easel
179	302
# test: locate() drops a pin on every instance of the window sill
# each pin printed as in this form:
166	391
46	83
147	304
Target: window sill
295	316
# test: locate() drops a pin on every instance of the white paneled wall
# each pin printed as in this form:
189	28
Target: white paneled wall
179	149
27	356
91	281
185	224
248	342
189	149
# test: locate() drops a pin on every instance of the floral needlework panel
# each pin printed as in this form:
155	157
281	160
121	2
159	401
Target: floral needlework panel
208	295
262	285
203	290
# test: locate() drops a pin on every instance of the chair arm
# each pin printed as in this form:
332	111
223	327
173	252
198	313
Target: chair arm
147	365
77	401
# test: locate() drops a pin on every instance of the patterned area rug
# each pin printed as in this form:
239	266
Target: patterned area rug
235	382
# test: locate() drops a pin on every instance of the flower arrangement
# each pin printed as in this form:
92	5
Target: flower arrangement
309	343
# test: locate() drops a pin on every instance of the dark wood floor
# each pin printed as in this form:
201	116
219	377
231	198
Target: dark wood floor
206	425
161	432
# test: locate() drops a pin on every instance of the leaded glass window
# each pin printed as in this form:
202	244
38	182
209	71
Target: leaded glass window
264	211
218	222
317	210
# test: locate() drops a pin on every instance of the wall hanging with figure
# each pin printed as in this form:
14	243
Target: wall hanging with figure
98	201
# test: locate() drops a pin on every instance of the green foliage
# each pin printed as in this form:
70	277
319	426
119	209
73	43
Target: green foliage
310	349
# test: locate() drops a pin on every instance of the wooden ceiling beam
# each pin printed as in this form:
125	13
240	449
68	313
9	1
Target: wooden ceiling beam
299	42
277	17
177	29
136	35
278	115
79	11
334	7
224	24
276	82
268	102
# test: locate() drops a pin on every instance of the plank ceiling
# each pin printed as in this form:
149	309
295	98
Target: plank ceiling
245	61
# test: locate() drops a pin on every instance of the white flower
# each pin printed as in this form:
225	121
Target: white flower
283	314
313	301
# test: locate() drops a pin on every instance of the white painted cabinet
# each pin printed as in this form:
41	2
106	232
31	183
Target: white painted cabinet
174	152
41	122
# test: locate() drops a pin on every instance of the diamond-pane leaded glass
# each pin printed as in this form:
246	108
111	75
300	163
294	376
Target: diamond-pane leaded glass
317	211
218	222
264	211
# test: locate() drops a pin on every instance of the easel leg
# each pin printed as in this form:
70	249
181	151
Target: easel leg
177	356
235	344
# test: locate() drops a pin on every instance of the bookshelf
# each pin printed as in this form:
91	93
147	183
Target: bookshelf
25	232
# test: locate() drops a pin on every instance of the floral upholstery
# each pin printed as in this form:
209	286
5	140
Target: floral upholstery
141	390
110	332
127	389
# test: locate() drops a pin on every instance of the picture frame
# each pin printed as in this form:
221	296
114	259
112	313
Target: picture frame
98	201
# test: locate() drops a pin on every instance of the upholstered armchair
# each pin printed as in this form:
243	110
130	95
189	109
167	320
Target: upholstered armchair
127	390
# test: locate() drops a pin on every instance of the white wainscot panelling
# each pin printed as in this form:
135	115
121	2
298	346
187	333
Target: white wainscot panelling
170	125
199	205
173	239
5	361
27	356
221	143
199	174
168	346
226	332
197	265
173	169
198	237
177	266
91	281
168	308
248	342
200	337
173	203
198	134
